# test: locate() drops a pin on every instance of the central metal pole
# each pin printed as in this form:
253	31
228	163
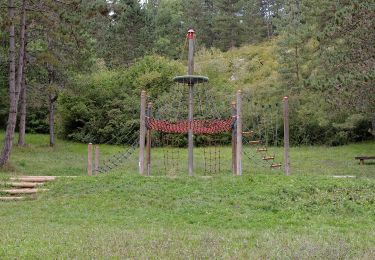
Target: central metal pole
191	33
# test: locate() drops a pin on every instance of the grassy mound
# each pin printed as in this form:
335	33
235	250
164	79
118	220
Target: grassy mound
121	214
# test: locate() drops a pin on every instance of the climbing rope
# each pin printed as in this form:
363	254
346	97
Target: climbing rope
118	159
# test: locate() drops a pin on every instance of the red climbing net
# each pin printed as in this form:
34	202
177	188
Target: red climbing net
199	126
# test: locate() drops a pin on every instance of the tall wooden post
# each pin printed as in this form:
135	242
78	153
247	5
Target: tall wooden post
96	161
191	34
89	159
234	139
286	136
148	143
142	133
239	134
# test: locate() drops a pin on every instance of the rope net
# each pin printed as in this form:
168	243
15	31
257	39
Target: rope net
214	126
211	127
263	128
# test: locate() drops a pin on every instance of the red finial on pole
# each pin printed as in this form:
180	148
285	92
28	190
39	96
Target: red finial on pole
190	34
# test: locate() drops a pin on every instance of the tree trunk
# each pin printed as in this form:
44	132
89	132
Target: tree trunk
22	123
52	97
13	85
23	103
51	118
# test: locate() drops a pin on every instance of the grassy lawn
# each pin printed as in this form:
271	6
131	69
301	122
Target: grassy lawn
262	214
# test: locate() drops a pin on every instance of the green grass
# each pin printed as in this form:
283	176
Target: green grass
262	214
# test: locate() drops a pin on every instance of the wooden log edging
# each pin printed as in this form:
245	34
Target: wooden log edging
12	198
22	191
33	178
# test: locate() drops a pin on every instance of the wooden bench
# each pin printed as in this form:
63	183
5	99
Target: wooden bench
363	158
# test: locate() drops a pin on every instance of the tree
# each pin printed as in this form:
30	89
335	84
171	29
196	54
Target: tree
169	29
297	45
58	47
23	104
200	16
228	24
121	31
347	51
4	67
14	82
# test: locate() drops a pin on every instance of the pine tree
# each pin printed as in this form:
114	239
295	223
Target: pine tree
228	23
296	45
347	50
126	34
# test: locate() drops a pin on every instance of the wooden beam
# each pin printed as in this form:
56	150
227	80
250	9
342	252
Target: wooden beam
33	178
23	184
22	191
142	133
96	161
276	165
248	134
239	134
89	159
234	140
148	143
191	36
12	198
286	136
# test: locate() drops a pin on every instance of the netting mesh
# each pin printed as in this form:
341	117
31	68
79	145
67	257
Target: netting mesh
198	126
211	126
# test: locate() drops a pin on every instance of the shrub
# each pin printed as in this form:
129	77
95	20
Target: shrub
103	107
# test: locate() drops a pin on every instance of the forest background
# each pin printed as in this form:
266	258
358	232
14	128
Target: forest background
79	66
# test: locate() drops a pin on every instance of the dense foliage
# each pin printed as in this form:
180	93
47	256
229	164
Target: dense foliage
94	57
104	106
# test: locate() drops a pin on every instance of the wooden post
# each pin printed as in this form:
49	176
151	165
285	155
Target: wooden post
89	159
142	133
96	162
239	135
148	143
286	136
191	35
234	140
190	132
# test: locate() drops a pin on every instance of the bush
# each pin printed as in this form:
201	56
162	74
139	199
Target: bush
103	107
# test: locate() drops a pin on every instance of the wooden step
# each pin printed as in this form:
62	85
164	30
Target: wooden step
276	165
50	178
264	149
22	191
248	133
33	178
23	184
13	198
254	142
267	158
